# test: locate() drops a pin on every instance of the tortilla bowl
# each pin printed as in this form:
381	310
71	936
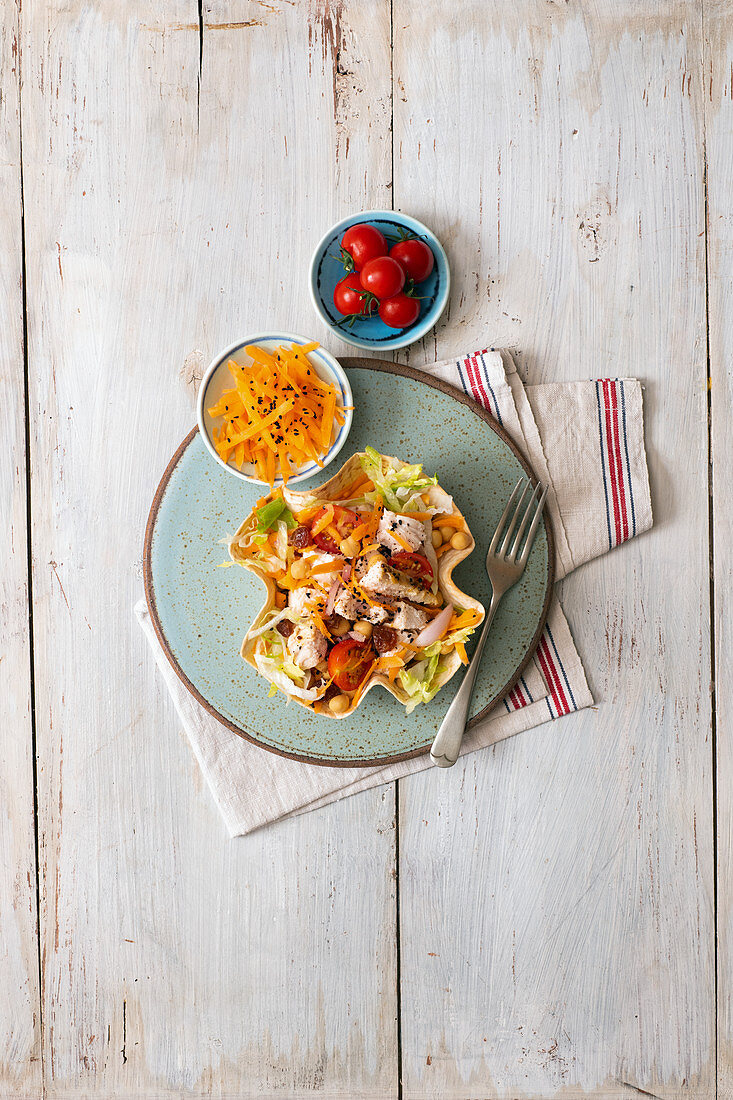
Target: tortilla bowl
332	490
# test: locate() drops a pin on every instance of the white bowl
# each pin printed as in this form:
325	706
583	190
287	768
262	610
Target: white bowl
218	379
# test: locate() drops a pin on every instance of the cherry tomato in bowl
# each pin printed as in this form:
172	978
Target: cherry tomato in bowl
382	277
362	243
400	311
415	566
351	299
415	257
349	663
343	523
368	330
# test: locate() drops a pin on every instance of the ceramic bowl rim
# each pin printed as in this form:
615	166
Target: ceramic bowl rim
284	337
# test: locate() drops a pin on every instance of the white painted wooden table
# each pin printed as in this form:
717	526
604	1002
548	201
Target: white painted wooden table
553	917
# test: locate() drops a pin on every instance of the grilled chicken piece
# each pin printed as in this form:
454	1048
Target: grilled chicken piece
307	645
412	531
389	584
409	618
351	608
303	599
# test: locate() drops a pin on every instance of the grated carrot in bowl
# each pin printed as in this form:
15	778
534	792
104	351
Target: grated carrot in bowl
279	415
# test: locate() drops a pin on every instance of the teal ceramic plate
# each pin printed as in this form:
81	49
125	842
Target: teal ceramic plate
201	612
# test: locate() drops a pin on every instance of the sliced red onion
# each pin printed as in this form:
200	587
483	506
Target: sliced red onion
332	593
435	629
346	572
355	636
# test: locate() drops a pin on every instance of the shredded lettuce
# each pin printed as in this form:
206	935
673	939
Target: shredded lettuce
275	650
271	513
399	487
273	618
276	665
453	638
419	680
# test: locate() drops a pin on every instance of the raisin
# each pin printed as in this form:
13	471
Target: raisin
285	627
330	691
300	537
384	638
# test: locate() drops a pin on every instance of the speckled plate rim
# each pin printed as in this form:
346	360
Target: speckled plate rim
350	363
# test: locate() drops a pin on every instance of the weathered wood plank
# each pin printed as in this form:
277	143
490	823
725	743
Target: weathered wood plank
718	97
557	892
20	1030
163	219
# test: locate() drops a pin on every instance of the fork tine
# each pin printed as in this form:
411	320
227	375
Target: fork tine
505	516
533	529
528	513
513	524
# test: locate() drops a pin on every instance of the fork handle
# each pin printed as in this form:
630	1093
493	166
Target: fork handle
447	744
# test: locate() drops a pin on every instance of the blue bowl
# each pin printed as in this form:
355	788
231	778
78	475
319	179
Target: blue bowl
370	332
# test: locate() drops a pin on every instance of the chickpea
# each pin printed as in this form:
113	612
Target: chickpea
447	533
298	569
375	559
460	540
349	547
364	628
339	704
437	539
341	627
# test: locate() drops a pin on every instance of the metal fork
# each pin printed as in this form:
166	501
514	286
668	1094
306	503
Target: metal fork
505	564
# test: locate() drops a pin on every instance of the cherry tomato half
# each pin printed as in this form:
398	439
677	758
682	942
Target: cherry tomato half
350	298
400	311
349	663
415	257
363	243
383	277
343	523
415	566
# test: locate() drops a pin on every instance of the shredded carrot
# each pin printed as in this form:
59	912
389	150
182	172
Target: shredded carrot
328	566
448	521
359	532
466	618
442	549
323	522
327	422
418	515
461	651
316	616
402	542
392	661
368	549
308	513
280	409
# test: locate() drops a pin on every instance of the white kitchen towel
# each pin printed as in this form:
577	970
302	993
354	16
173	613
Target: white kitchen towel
587	440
